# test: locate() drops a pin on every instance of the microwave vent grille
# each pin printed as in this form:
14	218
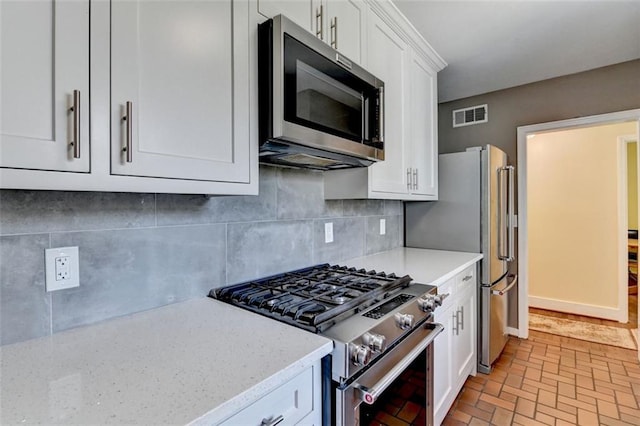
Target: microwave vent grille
471	115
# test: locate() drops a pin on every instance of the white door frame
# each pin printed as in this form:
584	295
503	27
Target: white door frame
523	255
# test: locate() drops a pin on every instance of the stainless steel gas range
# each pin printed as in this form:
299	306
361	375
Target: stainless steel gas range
379	324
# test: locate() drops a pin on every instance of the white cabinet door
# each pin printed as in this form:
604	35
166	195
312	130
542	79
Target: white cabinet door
387	60
346	27
442	360
44	59
423	129
184	67
465	354
299	11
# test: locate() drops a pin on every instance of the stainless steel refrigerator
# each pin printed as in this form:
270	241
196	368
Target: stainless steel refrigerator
474	213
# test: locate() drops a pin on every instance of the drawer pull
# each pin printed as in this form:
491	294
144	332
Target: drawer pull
467	278
272	421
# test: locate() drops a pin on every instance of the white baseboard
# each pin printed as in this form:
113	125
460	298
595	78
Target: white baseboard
512	331
603	312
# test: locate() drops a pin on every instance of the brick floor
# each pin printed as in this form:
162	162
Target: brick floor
553	380
544	380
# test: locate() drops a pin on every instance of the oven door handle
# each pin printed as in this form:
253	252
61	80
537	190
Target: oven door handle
370	395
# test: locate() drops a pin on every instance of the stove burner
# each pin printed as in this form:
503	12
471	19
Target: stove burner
312	297
309	309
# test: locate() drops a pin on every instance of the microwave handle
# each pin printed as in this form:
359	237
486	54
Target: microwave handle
381	115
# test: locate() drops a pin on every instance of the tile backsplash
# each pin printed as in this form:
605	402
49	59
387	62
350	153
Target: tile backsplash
140	251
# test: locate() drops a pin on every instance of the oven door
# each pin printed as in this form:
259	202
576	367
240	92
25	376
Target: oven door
367	387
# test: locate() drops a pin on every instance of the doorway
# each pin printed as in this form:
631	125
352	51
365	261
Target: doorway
524	139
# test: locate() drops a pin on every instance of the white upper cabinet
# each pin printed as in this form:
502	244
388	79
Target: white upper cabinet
44	62
400	57
299	11
339	23
176	69
345	26
173	104
387	60
423	128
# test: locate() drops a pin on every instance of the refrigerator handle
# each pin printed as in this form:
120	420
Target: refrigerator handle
503	226
511	215
504	291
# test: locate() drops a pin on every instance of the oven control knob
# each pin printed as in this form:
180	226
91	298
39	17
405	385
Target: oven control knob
404	321
374	341
360	355
429	302
426	303
439	298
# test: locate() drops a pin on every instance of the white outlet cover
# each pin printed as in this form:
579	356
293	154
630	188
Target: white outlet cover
383	226
328	232
50	256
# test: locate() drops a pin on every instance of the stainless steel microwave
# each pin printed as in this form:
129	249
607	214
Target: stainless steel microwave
317	109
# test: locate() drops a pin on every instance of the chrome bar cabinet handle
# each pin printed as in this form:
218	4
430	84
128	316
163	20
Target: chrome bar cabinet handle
128	119
334	32
409	178
415	179
272	422
75	108
320	17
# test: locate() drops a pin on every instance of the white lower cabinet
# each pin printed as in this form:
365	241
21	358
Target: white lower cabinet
298	401
455	350
442	377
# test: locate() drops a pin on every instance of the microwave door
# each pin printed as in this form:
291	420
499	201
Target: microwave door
324	103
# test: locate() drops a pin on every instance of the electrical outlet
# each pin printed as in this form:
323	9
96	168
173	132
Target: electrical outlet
383	226
62	268
328	232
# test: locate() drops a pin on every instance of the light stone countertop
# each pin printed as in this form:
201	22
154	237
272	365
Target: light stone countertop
423	265
196	360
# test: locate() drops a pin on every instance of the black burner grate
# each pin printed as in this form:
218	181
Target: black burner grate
312	298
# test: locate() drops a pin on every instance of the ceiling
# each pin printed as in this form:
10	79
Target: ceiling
493	45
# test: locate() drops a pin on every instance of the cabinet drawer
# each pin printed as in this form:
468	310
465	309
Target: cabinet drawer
466	278
293	401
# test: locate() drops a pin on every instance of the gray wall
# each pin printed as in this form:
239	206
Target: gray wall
140	251
599	91
608	89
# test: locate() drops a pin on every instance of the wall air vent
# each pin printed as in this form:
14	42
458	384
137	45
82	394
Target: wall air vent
472	115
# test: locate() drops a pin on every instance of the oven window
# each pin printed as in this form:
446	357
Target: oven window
405	400
321	95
